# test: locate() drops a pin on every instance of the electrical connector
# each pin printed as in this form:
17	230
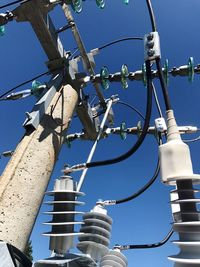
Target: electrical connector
152	46
160	125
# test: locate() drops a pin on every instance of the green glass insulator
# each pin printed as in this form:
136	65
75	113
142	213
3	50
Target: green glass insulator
36	88
123	129
166	71
126	2
191	69
104	75
101	3
2	30
144	74
77	5
139	128
124	76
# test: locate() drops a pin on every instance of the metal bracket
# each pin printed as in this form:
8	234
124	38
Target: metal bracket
34	117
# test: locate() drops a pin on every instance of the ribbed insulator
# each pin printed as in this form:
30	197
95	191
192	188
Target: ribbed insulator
96	237
186	224
114	258
63	214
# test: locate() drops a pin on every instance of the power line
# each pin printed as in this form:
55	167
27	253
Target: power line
163	85
143	189
120	40
133	108
15	2
151	14
145	246
21	84
140	140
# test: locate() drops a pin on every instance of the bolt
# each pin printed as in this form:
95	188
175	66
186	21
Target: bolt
150	37
150	44
151	52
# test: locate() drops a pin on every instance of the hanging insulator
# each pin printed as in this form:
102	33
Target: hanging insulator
104	75
124	76
114	258
123	129
144	74
96	229
101	3
166	71
77	5
62	233
186	224
37	88
2	30
191	69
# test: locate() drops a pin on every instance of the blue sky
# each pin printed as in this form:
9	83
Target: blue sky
148	218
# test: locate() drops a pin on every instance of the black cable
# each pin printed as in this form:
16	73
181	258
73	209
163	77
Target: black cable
154	245
143	189
131	107
159	68
151	14
15	2
21	84
21	257
120	40
163	85
144	130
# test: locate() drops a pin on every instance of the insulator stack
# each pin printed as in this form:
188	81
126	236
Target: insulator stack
186	224
63	214
96	229
114	258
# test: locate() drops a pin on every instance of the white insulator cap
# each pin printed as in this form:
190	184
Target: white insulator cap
175	156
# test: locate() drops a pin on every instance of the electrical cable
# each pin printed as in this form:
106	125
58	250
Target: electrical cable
163	85
120	40
131	107
151	14
191	140
21	84
15	2
143	189
154	245
19	256
144	130
159	68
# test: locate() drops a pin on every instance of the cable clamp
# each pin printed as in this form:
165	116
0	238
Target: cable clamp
121	247
152	46
106	202
160	125
74	168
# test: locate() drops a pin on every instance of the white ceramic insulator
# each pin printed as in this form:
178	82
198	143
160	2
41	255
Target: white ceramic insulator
63	215
114	258
96	238
186	224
